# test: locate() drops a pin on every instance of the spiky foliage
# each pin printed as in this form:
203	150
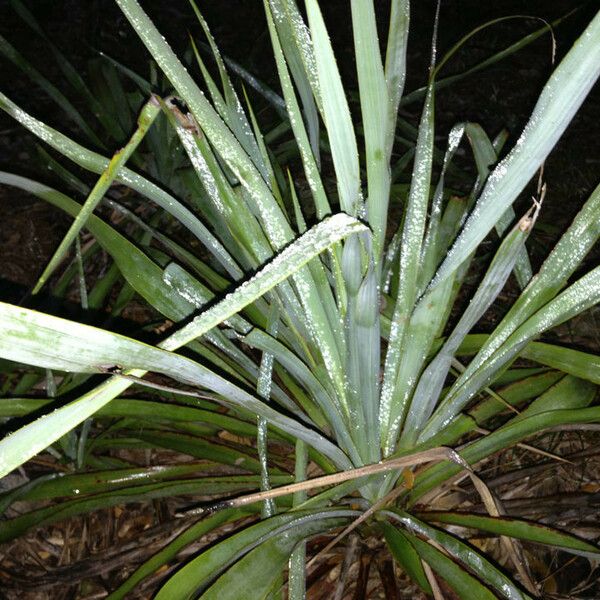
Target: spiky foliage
346	325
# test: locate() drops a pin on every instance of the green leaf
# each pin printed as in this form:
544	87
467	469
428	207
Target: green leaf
221	137
581	364
568	393
76	485
336	114
199	448
433	251
146	118
144	276
263	389
297	562
423	327
301	372
17	526
290	260
243	579
194	532
297	47
562	262
486	156
272	218
395	61
405	555
96	163
309	158
35	338
517	528
581	295
559	101
410	254
282	532
432	379
460	551
457	577
375	110
231	215
502	438
230	108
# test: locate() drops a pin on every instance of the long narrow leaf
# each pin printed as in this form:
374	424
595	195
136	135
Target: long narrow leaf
33	330
517	528
432	380
97	164
375	109
146	118
455	575
336	114
484	569
578	297
410	254
204	569
561	98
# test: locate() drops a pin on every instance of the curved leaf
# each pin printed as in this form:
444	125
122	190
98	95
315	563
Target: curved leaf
193	533
477	563
17	526
559	101
405	555
97	164
517	528
502	438
204	569
456	576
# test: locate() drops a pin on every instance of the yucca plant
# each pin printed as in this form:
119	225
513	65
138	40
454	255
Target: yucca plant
309	323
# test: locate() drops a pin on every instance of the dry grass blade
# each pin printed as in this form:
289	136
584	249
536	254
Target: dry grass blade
367	514
434	454
435	587
515	551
